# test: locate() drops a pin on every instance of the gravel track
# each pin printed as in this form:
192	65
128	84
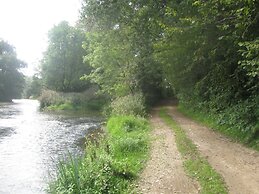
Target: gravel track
164	171
238	165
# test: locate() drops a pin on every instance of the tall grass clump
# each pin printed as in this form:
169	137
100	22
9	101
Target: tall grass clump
96	172
111	164
129	135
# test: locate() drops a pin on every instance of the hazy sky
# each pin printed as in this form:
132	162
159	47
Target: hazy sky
25	24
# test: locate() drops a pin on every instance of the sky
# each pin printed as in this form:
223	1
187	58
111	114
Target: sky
25	24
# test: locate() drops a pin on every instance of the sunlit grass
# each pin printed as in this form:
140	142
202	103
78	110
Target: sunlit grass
111	164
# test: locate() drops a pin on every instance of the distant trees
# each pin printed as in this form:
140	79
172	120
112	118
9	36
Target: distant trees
11	80
62	64
33	87
204	52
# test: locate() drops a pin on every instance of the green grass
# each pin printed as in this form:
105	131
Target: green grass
111	164
195	165
230	131
129	135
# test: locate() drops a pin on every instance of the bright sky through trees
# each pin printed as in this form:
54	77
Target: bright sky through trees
25	24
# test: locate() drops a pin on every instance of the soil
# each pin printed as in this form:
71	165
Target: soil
164	173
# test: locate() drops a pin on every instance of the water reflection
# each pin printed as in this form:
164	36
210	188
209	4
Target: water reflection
31	143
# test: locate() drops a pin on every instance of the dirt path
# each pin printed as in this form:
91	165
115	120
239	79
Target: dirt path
238	165
164	172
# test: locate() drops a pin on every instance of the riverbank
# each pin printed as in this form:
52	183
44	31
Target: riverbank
112	164
87	101
32	143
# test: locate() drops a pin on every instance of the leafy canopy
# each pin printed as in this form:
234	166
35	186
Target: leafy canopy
11	79
62	65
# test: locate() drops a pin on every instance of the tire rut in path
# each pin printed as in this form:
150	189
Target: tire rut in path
238	165
164	171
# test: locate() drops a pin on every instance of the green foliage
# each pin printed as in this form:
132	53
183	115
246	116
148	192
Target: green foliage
203	51
128	105
209	56
97	103
84	101
109	166
33	87
11	79
197	166
113	63
250	53
239	122
62	64
49	98
120	48
250	63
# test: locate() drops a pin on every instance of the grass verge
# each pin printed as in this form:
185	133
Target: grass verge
195	165
111	164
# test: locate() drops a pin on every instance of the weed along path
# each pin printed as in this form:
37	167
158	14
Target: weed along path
164	172
238	165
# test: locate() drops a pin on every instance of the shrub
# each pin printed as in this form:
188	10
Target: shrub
49	97
96	103
87	100
129	105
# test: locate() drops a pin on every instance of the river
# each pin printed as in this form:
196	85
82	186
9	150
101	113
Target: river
32	143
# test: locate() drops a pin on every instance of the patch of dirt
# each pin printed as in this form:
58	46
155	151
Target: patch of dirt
164	171
238	165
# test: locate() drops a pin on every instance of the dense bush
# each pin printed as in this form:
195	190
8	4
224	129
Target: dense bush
132	104
49	97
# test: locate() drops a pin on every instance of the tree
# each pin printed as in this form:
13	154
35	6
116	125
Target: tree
33	86
62	65
11	80
120	38
204	49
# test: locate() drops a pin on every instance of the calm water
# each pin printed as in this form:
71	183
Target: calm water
32	143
